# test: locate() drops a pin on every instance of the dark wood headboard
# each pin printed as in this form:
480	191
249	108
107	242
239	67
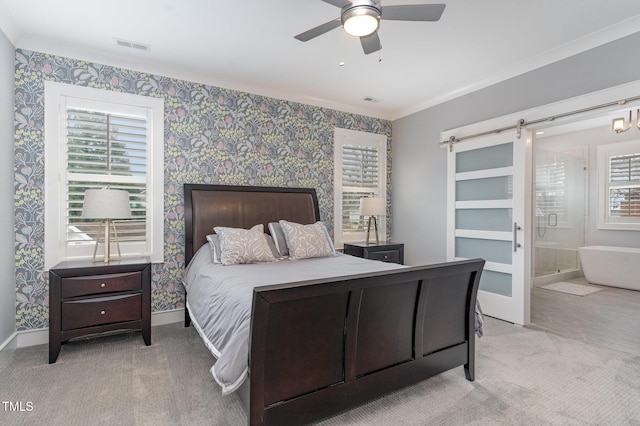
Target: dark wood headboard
206	206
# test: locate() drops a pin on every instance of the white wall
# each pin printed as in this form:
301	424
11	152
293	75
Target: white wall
419	164
7	274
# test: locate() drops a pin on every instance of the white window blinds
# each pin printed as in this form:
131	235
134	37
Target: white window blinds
619	185
110	144
359	179
360	166
624	185
105	150
359	171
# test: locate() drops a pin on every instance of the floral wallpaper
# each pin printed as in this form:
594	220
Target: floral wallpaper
212	135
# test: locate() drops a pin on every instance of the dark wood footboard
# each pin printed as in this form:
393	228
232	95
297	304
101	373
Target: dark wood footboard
320	347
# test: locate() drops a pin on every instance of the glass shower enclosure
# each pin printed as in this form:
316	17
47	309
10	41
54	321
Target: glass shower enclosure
559	210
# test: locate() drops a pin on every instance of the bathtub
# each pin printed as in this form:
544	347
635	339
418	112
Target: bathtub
611	266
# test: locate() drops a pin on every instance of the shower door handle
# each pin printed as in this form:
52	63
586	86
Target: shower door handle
516	244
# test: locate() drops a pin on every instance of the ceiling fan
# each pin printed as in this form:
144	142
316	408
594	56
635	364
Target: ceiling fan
361	18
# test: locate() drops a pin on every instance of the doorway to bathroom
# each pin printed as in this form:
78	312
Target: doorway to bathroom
569	198
567	181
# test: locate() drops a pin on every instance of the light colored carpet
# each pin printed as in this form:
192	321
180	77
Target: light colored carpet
523	377
571	288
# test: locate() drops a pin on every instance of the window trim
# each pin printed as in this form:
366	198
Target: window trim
55	95
346	137
604	153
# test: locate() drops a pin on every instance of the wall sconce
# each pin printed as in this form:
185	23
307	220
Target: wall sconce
372	207
618	125
106	204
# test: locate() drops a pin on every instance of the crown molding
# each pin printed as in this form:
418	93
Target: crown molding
583	44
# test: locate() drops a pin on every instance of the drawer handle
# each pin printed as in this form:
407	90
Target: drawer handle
103	312
386	256
103	285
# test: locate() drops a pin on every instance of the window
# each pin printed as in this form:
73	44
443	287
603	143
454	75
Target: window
98	139
360	170
619	194
550	192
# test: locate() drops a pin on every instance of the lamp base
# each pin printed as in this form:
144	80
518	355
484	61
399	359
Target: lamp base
108	225
375	225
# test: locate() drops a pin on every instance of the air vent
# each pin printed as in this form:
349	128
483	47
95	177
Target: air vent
370	99
132	44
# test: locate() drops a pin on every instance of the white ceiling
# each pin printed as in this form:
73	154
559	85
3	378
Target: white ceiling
248	45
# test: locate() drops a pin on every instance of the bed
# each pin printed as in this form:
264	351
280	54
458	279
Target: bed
336	332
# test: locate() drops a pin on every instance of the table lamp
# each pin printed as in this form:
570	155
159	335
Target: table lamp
106	204
372	207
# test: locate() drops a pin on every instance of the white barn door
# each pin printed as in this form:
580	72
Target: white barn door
487	217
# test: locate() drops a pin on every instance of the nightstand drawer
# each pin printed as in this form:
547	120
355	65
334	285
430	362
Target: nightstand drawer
102	310
385	251
383	255
97	284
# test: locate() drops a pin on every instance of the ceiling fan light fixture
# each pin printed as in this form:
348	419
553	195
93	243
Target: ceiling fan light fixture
361	21
361	18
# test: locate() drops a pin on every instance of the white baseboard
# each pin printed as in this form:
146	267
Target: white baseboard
40	336
167	317
33	337
10	343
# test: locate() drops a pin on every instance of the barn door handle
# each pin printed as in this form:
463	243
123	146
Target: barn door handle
516	244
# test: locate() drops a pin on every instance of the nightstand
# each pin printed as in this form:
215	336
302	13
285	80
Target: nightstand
384	251
87	297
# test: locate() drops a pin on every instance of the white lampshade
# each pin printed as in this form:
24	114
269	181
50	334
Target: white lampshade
373	206
106	204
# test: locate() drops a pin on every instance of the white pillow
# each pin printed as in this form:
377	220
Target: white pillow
306	241
239	245
216	252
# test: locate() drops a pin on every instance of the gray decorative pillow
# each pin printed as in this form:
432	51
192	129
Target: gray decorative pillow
244	245
306	241
272	246
214	243
278	237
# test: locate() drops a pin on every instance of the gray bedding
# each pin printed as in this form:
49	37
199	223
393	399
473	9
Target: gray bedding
219	301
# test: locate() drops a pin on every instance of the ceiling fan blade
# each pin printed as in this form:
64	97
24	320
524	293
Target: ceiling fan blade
338	3
319	30
413	12
371	43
